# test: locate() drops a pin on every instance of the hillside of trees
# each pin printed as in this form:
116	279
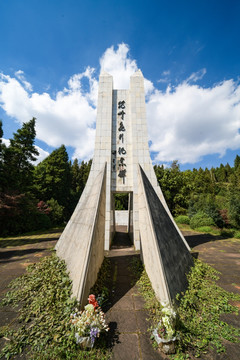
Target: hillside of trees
39	196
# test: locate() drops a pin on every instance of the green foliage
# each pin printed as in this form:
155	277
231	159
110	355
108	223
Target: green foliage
206	204
46	305
100	288
234	207
206	229
18	158
237	234
201	219
52	178
121	201
199	324
79	176
182	219
227	233
19	214
200	310
236	162
175	186
2	150
56	212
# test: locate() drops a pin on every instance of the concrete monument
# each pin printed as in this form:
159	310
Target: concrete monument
122	164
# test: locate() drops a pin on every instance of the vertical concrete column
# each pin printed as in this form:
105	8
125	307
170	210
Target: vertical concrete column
139	135
103	144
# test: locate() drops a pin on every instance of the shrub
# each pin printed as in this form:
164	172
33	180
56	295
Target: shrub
201	219
234	208
204	229
227	233
56	212
237	234
182	219
42	221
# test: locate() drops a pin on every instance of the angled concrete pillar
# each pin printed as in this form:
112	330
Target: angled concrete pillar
122	164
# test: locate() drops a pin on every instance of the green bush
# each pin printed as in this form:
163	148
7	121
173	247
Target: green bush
228	233
204	229
201	219
42	222
182	219
56	212
237	234
234	208
44	330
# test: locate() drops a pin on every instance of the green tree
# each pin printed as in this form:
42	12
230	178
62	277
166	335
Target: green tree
19	157
52	179
234	207
236	162
171	181
2	150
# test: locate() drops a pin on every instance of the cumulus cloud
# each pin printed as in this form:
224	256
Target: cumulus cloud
121	67
185	122
68	118
42	155
6	141
188	122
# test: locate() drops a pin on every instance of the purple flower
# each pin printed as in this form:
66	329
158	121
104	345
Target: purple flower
94	334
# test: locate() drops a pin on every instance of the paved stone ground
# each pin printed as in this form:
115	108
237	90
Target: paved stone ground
224	256
15	255
126	314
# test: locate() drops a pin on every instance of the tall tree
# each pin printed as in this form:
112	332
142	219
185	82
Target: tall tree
2	149
236	162
52	178
19	157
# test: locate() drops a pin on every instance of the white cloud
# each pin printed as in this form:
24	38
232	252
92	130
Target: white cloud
121	67
68	119
20	76
6	141
185	122
165	78
197	75
42	155
188	122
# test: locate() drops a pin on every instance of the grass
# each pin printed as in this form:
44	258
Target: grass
199	324
44	330
213	230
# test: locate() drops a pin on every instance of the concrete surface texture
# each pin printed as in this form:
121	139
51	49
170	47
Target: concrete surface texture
81	244
121	146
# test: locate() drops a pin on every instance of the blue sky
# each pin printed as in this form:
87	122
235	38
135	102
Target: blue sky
52	52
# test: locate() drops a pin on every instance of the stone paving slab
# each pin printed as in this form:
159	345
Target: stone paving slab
127	311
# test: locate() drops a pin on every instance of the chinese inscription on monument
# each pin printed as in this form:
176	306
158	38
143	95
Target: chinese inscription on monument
121	150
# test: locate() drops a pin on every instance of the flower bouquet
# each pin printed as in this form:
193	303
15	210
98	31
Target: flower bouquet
165	334
89	323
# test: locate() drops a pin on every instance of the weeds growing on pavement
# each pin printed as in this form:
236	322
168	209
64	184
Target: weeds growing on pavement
43	296
199	325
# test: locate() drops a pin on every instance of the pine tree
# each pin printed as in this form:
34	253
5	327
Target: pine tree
19	157
2	149
236	162
52	178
